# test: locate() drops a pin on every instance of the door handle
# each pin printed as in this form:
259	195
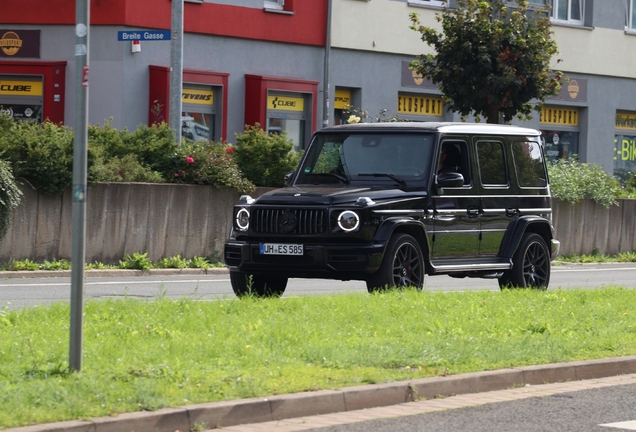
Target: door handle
473	212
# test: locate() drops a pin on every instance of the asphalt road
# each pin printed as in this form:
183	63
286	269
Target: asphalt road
21	292
604	410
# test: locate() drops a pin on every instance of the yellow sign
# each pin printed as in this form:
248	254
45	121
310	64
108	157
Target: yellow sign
342	99
625	121
420	105
10	43
283	103
20	88
201	97
559	116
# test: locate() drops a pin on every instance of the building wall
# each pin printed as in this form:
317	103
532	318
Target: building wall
370	43
227	37
371	39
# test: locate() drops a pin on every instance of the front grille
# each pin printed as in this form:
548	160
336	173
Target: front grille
289	221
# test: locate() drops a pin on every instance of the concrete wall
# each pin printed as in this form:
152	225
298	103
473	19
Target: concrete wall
123	218
188	220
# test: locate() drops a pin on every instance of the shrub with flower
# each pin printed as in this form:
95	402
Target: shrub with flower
207	163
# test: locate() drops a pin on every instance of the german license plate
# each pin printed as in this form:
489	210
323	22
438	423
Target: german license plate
281	249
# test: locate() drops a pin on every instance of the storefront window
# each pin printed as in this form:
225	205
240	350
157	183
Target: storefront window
21	98
197	126
624	156
286	113
341	102
560	144
198	117
295	130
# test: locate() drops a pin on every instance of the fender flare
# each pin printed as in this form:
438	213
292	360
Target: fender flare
388	227
519	227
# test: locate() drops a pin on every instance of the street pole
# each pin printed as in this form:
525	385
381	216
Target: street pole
326	86
80	134
176	68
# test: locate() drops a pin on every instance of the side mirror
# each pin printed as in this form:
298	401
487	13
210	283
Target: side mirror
450	179
289	178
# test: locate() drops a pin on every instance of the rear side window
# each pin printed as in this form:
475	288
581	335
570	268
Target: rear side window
492	163
529	164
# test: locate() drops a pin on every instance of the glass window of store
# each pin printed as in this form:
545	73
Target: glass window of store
198	117
21	97
341	104
286	112
625	145
420	107
560	132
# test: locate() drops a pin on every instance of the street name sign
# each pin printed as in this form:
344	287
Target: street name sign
144	35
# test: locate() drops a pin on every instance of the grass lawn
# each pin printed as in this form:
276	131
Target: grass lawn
145	355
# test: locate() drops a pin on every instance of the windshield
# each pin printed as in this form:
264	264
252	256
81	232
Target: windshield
363	158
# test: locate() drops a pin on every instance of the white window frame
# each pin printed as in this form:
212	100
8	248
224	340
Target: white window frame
437	3
555	8
274	4
630	25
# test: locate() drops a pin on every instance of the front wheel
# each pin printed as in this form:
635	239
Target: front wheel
402	266
530	265
244	284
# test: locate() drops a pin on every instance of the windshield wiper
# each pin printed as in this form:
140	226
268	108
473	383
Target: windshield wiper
342	178
399	181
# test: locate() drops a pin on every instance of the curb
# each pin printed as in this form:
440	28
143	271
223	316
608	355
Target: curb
258	410
110	273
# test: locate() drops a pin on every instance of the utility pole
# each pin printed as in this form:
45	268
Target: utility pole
80	136
176	68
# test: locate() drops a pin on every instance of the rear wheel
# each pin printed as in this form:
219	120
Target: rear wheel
530	265
402	266
245	284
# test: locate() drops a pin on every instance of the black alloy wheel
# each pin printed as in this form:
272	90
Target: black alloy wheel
530	265
402	266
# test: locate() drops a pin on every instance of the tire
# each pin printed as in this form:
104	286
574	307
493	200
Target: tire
244	284
402	265
530	265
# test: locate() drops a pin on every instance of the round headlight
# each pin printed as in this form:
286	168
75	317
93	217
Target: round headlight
243	219
348	220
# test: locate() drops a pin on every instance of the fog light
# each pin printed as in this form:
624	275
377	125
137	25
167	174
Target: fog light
243	219
348	221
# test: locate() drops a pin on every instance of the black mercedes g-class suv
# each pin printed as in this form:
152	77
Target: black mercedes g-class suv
388	203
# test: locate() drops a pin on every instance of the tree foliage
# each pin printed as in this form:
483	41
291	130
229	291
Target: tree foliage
491	60
10	196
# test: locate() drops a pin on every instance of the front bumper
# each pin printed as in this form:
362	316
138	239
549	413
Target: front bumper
318	260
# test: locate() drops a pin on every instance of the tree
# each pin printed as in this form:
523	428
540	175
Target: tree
491	60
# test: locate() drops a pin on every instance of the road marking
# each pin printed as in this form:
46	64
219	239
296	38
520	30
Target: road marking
613	269
629	425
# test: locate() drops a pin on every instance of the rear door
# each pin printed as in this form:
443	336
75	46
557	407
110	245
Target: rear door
498	197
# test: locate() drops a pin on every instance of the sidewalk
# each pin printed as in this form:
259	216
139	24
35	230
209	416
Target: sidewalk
328	407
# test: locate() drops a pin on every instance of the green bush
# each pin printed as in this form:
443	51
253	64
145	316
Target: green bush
206	163
264	158
571	180
9	196
42	155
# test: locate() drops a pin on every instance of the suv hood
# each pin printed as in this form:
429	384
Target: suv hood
321	195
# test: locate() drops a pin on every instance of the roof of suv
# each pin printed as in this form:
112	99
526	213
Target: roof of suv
445	127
